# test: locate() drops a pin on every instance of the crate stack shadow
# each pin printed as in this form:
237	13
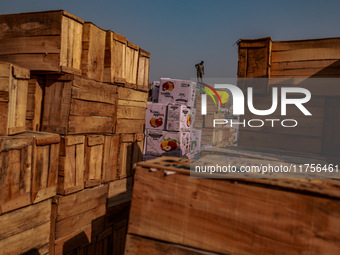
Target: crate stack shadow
73	101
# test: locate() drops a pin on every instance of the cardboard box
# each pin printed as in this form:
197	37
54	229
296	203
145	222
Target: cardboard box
155	116
155	91
195	140
164	143
178	118
176	92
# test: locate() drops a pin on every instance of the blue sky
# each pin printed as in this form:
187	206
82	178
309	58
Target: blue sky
180	33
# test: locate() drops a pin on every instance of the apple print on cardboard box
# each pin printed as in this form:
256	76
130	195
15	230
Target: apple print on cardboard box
155	116
163	143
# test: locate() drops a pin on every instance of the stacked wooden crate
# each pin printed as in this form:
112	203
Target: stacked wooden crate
29	168
285	60
170	213
220	135
87	88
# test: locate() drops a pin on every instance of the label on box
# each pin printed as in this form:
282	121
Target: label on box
155	117
178	118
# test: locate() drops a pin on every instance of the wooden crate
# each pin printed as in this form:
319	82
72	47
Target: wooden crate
143	68
110	158
16	172
76	105
34	103
119	192
92	59
45	155
115	58
249	216
26	230
132	52
79	218
289	60
13	98
131	110
94	152
71	164
42	41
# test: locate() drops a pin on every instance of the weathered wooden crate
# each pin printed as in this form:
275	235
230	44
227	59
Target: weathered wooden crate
13	98
42	41
79	218
110	158
256	211
34	103
76	105
288	61
71	164
94	152
131	108
27	230
16	172
115	58
143	68
45	153
119	192
132	52
92	59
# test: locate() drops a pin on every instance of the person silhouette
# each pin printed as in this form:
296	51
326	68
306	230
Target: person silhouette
200	70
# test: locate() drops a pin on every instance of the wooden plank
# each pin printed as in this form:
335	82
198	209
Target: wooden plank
87	108
141	245
115	57
73	223
188	211
127	112
34	104
125	159
310	68
131	95
93	125
71	164
93	52
306	50
131	63
89	90
131	103
129	126
80	202
110	158
94	147
119	192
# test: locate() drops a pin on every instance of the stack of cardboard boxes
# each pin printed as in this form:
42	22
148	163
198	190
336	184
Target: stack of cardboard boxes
169	120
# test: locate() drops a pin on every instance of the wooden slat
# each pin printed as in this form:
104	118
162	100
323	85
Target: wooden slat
110	158
141	245
126	112
220	228
93	51
119	192
129	126
306	50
